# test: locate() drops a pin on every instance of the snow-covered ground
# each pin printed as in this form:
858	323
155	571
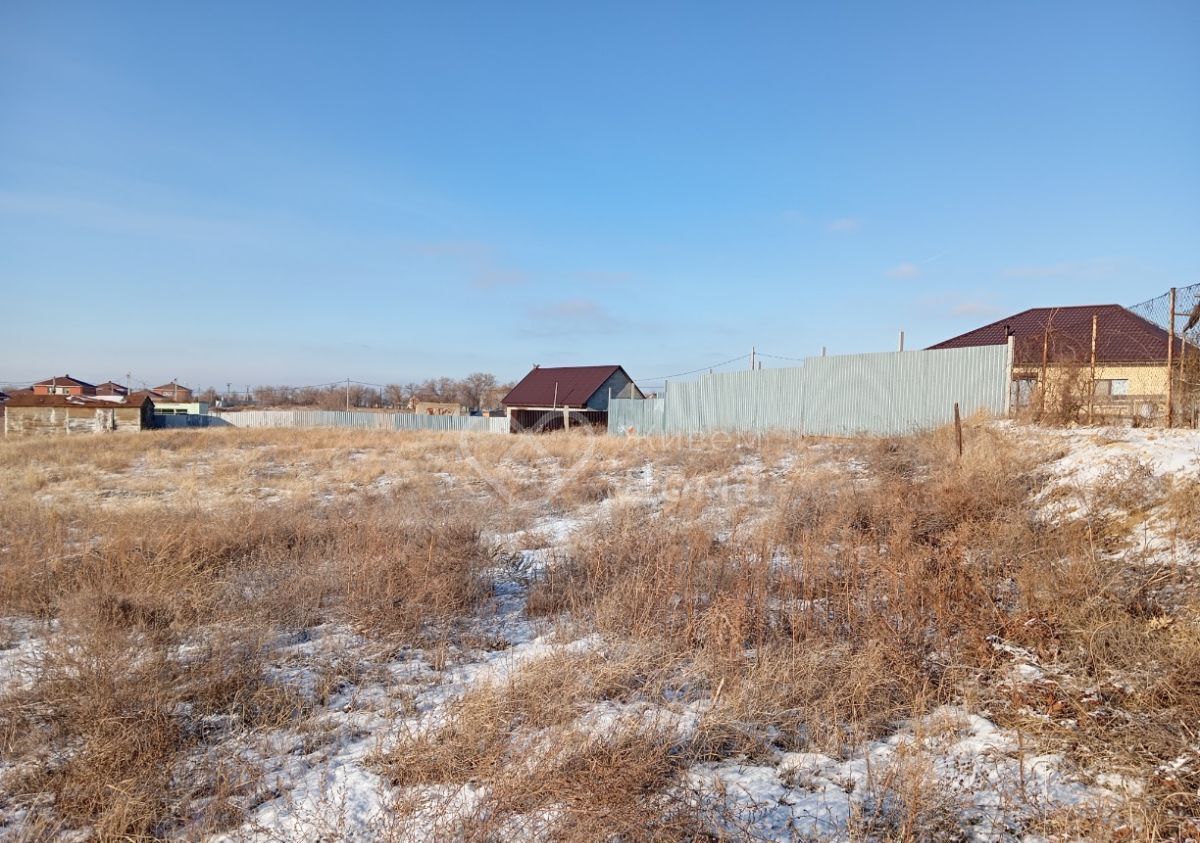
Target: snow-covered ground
324	781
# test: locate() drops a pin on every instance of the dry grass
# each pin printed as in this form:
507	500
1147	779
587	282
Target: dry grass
757	598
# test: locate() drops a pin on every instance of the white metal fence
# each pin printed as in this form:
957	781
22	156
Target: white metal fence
322	418
854	394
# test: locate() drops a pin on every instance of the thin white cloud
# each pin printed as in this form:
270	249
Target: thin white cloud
904	270
570	316
489	276
844	225
104	216
481	263
600	278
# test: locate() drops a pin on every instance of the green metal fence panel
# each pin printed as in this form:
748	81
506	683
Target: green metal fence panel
855	394
366	421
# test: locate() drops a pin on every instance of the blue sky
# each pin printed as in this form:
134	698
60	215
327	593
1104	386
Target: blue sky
296	193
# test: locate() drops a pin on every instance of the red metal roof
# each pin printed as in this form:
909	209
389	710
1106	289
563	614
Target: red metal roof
559	386
65	380
1121	335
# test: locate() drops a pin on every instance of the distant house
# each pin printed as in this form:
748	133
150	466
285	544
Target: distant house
1130	357
174	392
63	385
438	408
112	388
553	398
34	413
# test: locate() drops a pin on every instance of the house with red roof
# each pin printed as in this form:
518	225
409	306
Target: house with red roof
1117	369
557	397
63	385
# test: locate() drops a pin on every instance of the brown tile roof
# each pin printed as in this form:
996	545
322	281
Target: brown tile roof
29	399
1121	335
559	386
112	388
65	380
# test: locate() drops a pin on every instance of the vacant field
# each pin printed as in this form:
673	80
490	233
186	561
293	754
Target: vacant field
278	635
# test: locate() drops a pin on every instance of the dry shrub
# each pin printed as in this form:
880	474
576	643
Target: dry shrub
814	697
1183	508
392	564
113	717
542	768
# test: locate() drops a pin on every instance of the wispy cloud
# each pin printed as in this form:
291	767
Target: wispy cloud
484	269
570	316
1093	269
904	270
110	217
490	276
600	278
844	225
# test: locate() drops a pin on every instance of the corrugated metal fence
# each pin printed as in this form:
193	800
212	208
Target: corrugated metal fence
854	394
322	418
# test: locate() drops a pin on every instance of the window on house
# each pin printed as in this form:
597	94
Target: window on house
1022	391
1112	387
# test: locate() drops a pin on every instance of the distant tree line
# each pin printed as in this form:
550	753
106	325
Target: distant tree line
477	391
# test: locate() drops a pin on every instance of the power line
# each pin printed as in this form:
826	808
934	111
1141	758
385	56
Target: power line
693	371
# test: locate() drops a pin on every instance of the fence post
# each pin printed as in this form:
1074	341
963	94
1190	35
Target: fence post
1042	378
1092	380
1012	363
958	429
1170	361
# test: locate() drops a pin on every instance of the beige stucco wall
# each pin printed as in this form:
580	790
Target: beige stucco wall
1143	380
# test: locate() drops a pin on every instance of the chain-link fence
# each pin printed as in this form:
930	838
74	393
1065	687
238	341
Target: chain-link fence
1177	314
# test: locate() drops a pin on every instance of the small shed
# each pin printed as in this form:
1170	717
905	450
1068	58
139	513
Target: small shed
556	397
32	414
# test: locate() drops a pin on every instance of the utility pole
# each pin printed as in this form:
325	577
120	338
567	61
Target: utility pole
901	348
752	353
347	395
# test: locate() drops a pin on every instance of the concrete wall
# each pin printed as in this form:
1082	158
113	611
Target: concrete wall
25	421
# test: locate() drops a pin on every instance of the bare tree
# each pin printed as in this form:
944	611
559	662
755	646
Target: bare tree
395	396
475	390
